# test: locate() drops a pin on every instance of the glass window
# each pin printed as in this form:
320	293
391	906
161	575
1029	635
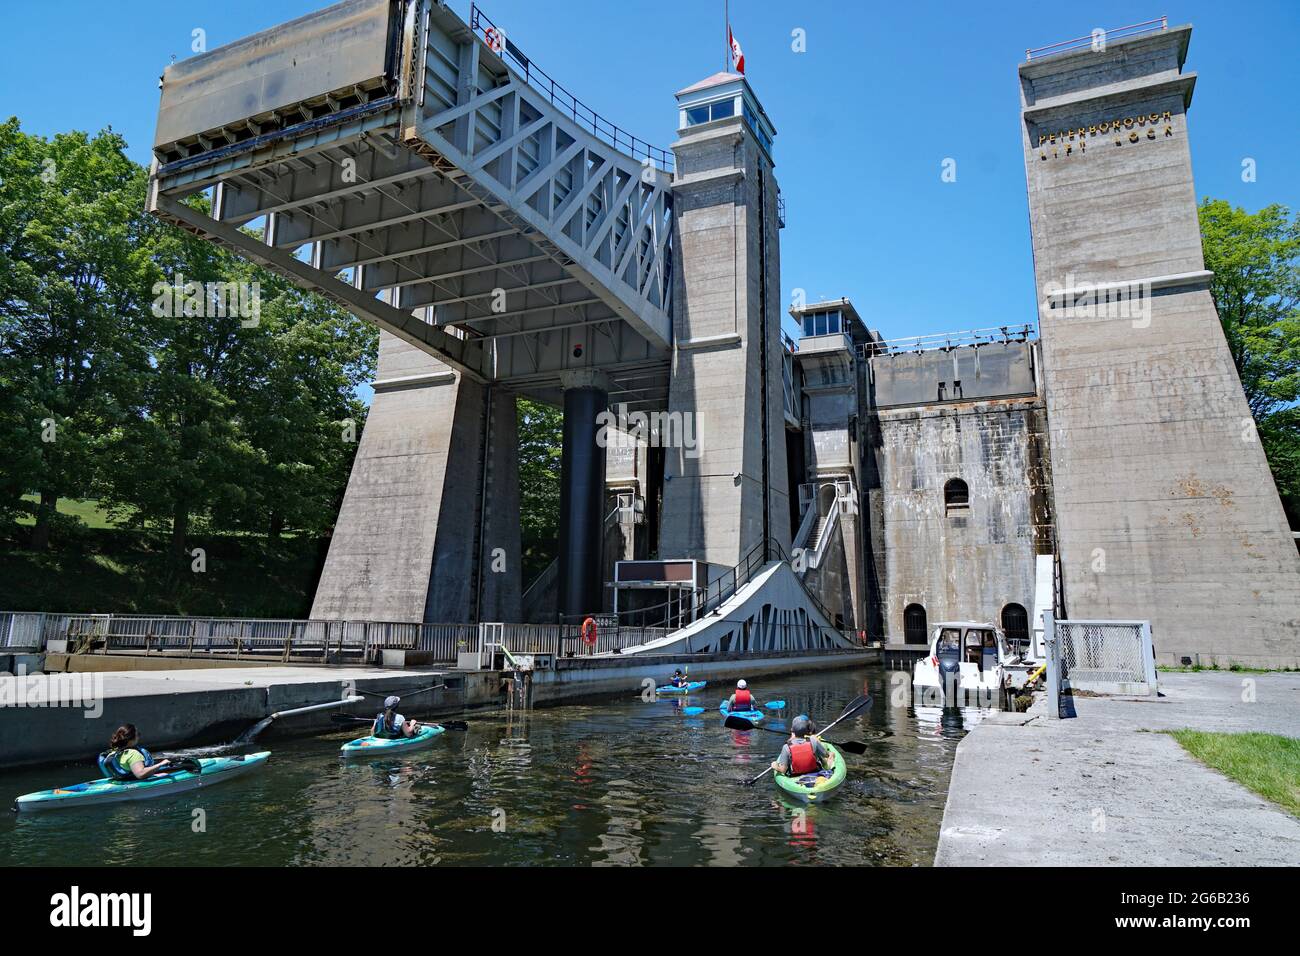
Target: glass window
723	109
821	324
808	325
696	116
832	322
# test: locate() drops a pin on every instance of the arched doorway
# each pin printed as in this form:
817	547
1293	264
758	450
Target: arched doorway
914	629
1015	623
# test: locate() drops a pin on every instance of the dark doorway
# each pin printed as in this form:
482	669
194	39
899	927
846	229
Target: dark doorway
1015	623
914	624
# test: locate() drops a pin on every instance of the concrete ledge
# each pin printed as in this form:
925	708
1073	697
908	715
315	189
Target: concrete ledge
710	341
413	381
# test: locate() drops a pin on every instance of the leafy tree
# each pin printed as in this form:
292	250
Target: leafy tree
541	430
71	268
1255	258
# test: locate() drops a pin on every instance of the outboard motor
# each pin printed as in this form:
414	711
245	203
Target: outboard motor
949	655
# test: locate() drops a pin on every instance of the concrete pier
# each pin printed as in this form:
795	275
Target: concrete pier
1107	788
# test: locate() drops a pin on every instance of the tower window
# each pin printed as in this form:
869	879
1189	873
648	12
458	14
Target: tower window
956	496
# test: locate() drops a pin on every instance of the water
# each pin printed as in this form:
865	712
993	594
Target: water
621	782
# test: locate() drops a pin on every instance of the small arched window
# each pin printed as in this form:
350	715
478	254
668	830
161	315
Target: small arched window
1015	624
914	624
956	496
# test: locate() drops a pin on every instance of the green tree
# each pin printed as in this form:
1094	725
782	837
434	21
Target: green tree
71	270
1255	258
541	429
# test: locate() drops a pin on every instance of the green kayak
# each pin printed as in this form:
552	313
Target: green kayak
108	790
815	787
368	746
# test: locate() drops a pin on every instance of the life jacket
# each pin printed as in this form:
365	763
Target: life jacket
381	729
744	700
110	763
803	759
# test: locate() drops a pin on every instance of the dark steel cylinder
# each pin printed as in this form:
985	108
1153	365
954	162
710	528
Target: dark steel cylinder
582	499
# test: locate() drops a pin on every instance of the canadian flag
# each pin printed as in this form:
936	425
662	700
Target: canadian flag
737	54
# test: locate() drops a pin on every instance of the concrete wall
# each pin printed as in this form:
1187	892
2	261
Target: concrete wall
403	545
959	564
709	513
1166	506
967	373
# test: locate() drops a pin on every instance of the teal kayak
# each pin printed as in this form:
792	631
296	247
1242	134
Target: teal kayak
107	790
368	746
670	689
751	715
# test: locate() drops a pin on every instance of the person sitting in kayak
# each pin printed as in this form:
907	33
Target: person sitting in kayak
742	699
125	759
803	753
679	679
389	724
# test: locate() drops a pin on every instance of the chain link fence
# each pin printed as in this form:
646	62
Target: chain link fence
1101	657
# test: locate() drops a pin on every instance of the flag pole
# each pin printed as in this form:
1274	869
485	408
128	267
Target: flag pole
726	33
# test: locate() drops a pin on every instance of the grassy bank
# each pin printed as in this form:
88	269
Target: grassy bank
1268	764
113	570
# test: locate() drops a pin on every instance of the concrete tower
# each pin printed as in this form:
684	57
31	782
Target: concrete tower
729	494
1165	505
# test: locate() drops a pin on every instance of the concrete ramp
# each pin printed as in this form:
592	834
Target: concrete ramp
426	175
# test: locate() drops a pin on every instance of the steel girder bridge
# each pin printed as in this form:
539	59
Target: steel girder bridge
424	174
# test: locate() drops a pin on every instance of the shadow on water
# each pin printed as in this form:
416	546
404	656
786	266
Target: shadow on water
622	782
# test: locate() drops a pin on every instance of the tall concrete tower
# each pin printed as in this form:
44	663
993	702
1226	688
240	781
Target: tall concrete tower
729	494
1165	504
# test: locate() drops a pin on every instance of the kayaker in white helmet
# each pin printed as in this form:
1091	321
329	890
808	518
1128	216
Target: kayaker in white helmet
389	724
803	753
742	699
125	759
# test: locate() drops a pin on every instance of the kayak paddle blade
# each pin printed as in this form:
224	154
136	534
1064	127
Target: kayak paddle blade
775	705
692	711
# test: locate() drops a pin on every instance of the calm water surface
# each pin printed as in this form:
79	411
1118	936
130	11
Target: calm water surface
621	782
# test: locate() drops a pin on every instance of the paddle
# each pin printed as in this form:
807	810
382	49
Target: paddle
444	724
775	705
740	723
692	711
854	706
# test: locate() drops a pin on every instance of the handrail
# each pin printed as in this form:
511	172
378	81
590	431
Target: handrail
580	113
1118	33
947	340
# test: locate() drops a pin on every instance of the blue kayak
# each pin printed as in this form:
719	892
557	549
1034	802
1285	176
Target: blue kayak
107	790
371	746
751	715
670	689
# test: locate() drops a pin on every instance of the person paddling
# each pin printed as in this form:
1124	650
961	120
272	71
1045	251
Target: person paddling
742	699
679	679
803	753
389	724
125	759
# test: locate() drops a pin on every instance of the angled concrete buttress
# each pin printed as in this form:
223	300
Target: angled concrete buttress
1165	505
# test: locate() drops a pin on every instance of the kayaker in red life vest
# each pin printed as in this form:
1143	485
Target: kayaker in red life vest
125	759
389	724
803	752
742	699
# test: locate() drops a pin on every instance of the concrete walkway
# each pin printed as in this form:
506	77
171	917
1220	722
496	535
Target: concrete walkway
1100	789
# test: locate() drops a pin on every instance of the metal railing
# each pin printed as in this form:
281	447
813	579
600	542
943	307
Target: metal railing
947	341
1104	657
501	44
1101	36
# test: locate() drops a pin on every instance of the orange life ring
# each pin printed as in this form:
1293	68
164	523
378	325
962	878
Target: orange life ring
589	631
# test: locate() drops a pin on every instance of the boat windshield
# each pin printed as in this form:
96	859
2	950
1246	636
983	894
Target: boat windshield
949	640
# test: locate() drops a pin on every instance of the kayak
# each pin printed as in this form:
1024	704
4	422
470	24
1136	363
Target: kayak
670	689
426	735
815	787
108	790
751	715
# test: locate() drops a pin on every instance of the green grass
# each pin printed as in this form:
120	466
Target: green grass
1231	668
89	512
122	571
1268	764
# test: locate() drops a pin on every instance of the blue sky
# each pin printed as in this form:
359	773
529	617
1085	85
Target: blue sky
864	118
